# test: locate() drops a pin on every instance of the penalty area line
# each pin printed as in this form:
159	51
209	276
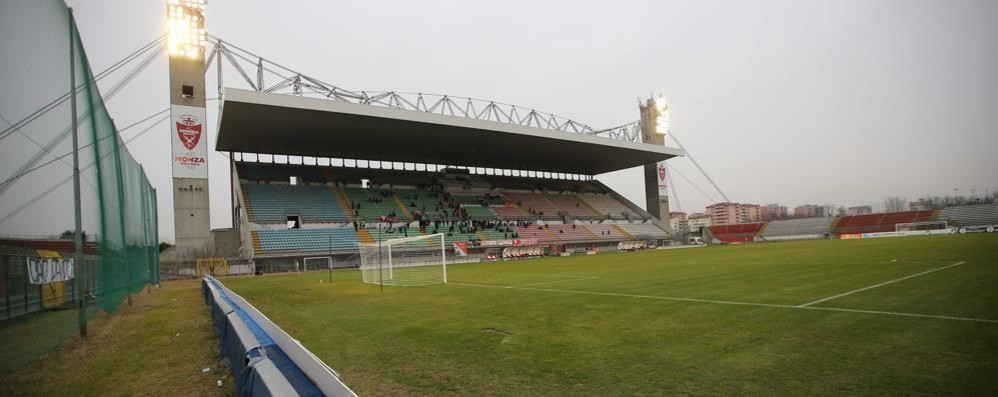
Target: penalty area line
555	281
881	284
734	303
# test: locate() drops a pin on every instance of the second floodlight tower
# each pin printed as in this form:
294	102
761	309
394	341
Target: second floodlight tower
655	130
188	135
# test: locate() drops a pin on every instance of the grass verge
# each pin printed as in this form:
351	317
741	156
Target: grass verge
158	346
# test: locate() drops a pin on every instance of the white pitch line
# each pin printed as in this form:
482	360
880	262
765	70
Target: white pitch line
881	284
556	281
773	305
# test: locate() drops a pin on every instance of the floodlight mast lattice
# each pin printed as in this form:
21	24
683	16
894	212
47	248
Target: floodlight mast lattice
291	82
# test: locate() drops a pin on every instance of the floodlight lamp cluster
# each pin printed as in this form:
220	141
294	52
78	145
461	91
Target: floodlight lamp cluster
185	18
662	105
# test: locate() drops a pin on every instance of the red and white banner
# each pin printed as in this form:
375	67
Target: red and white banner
662	179
461	248
189	142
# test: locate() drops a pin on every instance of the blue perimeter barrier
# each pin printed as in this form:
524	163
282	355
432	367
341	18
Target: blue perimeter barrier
264	359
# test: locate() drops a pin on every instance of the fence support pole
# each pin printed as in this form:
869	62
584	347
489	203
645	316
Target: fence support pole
77	207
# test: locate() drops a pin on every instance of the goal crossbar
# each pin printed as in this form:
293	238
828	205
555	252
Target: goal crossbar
408	261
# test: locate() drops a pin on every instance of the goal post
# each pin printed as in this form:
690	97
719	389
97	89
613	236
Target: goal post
927	227
318	263
405	262
211	267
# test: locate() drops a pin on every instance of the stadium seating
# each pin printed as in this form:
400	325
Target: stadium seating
536	232
572	206
536	204
510	212
971	215
370	210
328	195
307	239
877	223
493	234
739	233
606	205
274	202
607	231
477	199
385	233
797	229
424	201
481	213
643	230
569	233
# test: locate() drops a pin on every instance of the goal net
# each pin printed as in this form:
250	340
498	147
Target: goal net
405	262
211	267
929	227
317	263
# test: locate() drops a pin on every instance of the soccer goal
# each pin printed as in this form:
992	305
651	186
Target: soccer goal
928	227
405	262
211	267
317	263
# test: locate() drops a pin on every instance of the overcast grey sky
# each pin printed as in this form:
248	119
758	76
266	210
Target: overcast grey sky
787	102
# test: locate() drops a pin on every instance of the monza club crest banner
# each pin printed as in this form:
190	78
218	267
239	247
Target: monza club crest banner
662	179
189	143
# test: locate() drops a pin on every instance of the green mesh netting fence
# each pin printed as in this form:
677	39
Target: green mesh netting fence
46	296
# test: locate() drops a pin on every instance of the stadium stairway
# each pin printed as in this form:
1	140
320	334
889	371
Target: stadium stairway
604	231
511	212
553	236
835	224
478	212
622	231
246	203
569	233
256	243
403	210
365	236
344	202
583	203
534	204
572	205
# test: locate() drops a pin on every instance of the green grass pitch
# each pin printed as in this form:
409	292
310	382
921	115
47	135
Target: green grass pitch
719	321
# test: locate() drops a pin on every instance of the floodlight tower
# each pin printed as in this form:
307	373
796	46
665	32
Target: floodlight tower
655	130
189	143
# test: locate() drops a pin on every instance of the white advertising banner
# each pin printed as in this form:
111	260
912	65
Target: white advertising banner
189	142
662	184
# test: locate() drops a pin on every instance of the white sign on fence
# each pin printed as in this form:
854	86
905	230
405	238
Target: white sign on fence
43	271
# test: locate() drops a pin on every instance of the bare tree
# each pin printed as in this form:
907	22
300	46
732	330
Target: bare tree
895	204
828	210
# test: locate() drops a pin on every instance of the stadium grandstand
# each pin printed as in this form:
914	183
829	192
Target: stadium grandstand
880	223
326	204
981	217
737	233
332	209
971	215
797	229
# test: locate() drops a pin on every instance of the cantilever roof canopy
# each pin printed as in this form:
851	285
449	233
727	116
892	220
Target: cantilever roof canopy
256	122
